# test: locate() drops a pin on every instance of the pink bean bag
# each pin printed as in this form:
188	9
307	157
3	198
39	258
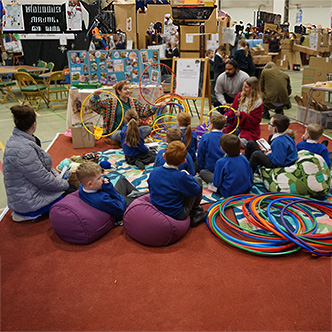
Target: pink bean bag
75	221
146	224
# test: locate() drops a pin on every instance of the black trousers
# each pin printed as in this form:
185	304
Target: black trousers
191	202
144	157
257	157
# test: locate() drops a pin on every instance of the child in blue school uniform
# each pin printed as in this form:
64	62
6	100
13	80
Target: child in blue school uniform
189	137
99	192
310	143
233	174
209	151
173	192
283	148
134	149
175	134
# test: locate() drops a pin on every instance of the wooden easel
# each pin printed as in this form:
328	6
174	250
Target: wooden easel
206	88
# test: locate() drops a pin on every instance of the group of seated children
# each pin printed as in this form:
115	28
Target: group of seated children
174	189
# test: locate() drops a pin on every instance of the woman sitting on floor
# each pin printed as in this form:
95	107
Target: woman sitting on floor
111	110
249	109
31	185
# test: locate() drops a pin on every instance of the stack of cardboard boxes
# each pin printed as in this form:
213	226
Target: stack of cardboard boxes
260	56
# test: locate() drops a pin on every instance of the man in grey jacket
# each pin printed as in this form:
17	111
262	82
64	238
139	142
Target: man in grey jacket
229	84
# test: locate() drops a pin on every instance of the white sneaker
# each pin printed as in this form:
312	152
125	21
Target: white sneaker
19	218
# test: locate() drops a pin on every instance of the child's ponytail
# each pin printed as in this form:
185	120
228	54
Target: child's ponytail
184	120
133	135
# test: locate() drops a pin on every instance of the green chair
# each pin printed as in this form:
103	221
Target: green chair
6	90
32	92
55	92
49	66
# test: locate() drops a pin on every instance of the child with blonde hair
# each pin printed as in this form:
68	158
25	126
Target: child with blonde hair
310	143
99	192
189	137
135	151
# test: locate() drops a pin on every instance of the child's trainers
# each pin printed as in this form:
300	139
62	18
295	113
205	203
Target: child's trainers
140	165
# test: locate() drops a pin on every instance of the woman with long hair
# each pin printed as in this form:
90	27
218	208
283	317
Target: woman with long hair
134	149
111	110
249	109
243	57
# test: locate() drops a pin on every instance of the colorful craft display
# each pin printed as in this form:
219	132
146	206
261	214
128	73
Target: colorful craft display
281	224
109	67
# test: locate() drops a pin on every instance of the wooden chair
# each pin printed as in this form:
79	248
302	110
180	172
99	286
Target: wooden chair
57	94
32	92
6	90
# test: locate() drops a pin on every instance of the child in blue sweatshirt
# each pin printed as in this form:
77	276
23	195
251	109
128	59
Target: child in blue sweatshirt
310	143
173	192
283	148
209	149
175	134
132	140
232	174
189	137
98	192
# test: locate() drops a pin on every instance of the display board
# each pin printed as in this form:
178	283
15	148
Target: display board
109	67
193	80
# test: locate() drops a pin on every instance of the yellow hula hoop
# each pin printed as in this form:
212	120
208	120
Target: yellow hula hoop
81	113
174	96
223	106
155	123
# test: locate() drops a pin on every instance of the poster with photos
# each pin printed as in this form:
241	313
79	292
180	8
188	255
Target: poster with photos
151	75
109	67
79	66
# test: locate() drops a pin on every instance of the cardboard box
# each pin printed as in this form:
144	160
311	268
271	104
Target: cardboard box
189	42
82	138
282	64
313	75
261	59
271	27
316	62
257	51
307	50
286	44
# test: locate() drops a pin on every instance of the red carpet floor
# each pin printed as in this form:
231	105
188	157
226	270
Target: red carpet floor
116	284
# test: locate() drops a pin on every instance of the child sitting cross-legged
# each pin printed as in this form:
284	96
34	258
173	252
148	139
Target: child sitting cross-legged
134	149
312	134
232	174
98	192
283	149
173	192
175	134
209	149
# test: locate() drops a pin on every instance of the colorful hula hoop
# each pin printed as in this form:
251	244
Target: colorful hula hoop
169	97
122	116
228	109
147	69
284	223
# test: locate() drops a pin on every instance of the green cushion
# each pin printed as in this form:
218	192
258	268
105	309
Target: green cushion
309	175
57	89
33	88
9	83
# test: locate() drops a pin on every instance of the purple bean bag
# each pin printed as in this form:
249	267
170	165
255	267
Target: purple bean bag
75	221
146	224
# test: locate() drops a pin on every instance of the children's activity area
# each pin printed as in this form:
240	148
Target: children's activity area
166	165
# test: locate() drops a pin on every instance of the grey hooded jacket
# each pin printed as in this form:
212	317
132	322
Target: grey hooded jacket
29	183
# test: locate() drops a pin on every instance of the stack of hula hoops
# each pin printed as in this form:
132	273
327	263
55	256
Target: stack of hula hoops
283	224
